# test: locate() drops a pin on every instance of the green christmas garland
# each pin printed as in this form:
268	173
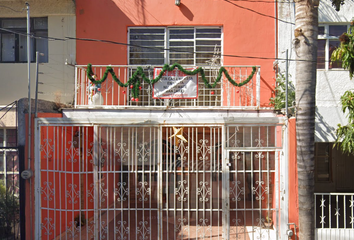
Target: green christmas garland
135	82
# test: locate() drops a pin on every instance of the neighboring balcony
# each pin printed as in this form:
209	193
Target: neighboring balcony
224	94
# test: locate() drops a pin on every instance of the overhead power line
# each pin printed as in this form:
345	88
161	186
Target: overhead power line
133	45
2	6
259	13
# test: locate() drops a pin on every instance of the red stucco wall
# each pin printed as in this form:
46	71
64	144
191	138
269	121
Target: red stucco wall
293	185
248	29
29	184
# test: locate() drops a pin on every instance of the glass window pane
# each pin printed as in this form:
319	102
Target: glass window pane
321	54
40	23
2	162
138	61
208	35
208	30
333	44
208	43
147	46
321	30
12	164
146	55
13	183
8	47
42	46
11	138
186	61
146	37
323	161
147	30
1	137
14	23
23	49
181	34
337	30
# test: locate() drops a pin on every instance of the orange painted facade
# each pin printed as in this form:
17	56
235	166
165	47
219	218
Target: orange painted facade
248	30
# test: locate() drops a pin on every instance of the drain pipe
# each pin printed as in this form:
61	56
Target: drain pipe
28	173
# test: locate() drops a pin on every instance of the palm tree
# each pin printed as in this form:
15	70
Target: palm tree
306	31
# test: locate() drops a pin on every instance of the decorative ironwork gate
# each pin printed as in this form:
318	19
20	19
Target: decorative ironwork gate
157	182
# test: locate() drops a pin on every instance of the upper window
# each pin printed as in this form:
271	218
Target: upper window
328	41
194	46
13	39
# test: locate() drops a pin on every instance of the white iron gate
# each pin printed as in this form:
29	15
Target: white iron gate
157	182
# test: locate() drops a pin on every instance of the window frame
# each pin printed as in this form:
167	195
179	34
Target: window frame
9	150
327	39
23	30
329	147
167	41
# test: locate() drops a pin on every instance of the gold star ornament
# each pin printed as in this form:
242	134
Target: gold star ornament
178	134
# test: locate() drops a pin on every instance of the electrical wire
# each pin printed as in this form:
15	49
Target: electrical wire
148	47
262	14
2	6
14	102
163	49
260	1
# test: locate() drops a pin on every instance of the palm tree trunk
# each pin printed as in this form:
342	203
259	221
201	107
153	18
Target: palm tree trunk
306	30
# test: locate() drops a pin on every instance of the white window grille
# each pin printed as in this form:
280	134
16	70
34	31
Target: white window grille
188	46
194	46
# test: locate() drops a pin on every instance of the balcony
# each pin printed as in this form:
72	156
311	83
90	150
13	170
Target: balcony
110	94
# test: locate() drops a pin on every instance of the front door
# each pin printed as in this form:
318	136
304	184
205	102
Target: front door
251	193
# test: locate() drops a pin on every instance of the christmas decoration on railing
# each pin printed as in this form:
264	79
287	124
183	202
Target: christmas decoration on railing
134	81
95	96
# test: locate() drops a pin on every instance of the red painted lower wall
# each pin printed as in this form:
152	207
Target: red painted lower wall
29	184
293	185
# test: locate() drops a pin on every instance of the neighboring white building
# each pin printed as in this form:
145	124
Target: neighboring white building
333	169
51	20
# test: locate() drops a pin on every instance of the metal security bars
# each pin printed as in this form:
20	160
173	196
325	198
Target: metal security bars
334	215
9	185
253	159
157	182
191	46
9	193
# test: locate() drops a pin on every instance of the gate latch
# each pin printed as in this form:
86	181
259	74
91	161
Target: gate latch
228	164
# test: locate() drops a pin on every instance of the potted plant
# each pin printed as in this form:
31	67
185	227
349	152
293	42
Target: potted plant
268	223
9	209
278	101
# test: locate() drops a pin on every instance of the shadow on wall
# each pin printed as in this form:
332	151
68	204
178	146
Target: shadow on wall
327	13
186	12
324	132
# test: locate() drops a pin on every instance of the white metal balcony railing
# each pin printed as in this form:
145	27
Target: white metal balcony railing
110	95
334	215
